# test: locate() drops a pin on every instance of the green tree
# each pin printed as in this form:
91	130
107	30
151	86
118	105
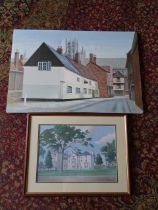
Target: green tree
98	160
48	160
61	137
41	151
109	151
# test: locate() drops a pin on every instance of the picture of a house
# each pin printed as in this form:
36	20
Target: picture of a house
65	71
76	153
74	160
50	75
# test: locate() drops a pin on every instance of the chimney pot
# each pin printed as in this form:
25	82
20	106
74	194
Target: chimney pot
92	58
60	50
77	58
16	59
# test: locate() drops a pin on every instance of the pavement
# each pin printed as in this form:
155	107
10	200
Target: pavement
95	105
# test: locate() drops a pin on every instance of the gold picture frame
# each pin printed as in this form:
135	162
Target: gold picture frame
93	171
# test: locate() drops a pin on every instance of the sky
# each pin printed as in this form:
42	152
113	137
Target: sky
100	136
103	44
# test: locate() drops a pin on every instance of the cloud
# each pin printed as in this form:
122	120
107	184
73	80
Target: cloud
106	139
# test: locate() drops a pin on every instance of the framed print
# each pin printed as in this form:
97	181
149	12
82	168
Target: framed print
68	72
73	154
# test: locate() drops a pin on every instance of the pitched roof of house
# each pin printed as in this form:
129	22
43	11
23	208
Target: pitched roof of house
83	70
91	66
118	74
47	52
64	60
86	153
114	62
77	153
108	69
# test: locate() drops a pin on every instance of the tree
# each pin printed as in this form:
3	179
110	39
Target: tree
62	137
98	160
48	160
109	151
41	151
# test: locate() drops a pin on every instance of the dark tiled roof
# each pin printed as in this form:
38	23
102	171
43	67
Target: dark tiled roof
118	74
65	61
83	70
86	153
47	53
106	68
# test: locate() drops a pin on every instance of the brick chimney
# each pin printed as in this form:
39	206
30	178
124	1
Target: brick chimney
60	50
77	58
21	63
92	58
22	59
16	59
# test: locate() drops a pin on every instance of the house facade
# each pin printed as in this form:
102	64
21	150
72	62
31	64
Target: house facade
73	160
50	75
124	72
118	84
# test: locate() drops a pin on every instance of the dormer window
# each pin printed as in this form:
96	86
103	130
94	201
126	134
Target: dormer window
44	65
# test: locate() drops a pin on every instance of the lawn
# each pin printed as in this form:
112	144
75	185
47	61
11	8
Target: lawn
91	172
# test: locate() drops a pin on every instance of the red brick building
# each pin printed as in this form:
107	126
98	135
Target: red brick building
134	79
94	72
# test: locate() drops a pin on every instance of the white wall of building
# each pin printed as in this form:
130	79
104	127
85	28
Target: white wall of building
54	84
77	81
79	162
42	84
15	80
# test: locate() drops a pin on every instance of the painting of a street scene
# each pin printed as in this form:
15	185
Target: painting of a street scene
74	71
75	153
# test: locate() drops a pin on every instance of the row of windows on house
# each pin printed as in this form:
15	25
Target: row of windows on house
85	81
46	66
78	90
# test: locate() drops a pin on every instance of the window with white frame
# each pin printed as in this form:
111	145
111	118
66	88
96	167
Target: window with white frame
90	82
78	90
44	65
69	89
78	79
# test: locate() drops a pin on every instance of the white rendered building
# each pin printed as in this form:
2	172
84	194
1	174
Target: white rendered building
50	75
73	160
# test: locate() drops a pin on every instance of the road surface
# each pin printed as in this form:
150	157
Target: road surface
94	105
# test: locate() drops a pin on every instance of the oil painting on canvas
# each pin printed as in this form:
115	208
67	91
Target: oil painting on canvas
77	153
74	71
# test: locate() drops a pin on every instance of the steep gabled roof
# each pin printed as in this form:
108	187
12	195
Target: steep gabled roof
118	74
83	70
113	62
86	153
86	71
47	53
96	66
64	60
